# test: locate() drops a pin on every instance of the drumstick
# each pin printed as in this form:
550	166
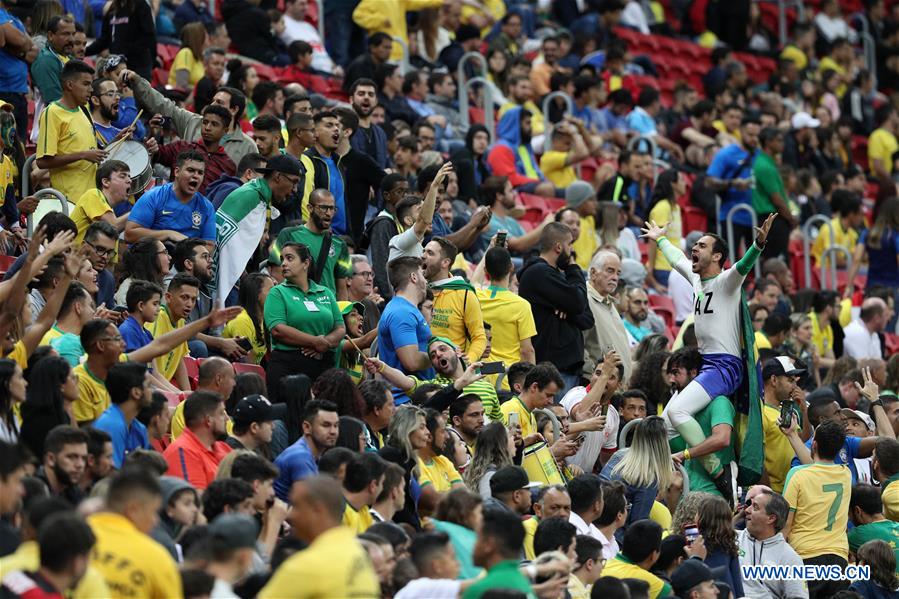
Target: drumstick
347	337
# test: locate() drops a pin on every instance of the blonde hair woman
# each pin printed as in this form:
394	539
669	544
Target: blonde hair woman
644	468
407	433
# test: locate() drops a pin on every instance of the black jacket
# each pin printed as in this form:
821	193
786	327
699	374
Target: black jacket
361	174
132	33
250	30
550	290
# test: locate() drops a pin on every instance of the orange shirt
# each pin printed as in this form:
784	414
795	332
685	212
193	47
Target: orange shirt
189	459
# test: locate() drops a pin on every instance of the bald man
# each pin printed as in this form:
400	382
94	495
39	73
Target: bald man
217	376
335	563
861	336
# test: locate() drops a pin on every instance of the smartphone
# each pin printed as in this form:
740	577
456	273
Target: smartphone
786	413
492	368
120	309
691	531
513	419
501	238
244	343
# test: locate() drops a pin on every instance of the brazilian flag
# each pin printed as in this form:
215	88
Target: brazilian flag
748	402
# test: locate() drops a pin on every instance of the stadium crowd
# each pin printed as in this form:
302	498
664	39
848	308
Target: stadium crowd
294	305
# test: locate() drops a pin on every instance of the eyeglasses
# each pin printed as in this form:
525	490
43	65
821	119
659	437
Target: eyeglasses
162	251
325	208
101	251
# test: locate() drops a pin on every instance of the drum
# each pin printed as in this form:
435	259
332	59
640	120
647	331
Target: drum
540	465
50	200
136	156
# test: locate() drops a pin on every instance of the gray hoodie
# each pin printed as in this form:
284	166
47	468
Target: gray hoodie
774	551
167	530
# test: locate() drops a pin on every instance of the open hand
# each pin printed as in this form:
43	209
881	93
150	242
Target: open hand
761	233
653	231
220	316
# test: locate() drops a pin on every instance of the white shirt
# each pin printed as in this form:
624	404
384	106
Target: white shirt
303	31
633	16
681	293
859	342
407	243
585	528
609	546
430	588
222	590
834	28
594	441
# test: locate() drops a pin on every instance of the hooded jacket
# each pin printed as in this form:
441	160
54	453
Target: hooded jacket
510	157
250	30
219	189
774	551
167	529
551	290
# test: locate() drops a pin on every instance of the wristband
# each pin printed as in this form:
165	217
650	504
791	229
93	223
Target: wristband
687	454
383	366
877	402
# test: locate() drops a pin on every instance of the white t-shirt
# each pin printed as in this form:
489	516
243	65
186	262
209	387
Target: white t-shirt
430	588
584	528
859	342
681	293
406	243
594	441
303	31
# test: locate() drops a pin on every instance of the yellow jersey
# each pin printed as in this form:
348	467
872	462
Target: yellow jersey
186	61
890	498
621	567
848	238
7	177
552	163
334	565
19	355
586	243
242	326
666	211
882	144
457	316
778	452
68	131
511	321
28	557
822	336
818	495
439	473
357	520
90	207
93	398
167	364
530	529
525	416
133	564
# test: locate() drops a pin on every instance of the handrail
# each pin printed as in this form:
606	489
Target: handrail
488	103
782	6
622	434
833	249
404	62
806	245
729	223
557	426
718	203
27	167
321	19
55	195
653	151
686	476
869	47
547	102
460	78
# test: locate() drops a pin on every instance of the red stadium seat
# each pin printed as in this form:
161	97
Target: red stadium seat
666	313
193	370
241	367
694	219
891	341
661	301
529	200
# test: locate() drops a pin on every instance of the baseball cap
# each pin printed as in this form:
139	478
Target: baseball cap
319	101
803	120
781	366
282	163
578	192
511	478
235	531
690	574
254	408
859	415
347	307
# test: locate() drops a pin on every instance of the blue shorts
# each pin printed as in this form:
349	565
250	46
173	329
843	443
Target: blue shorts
721	374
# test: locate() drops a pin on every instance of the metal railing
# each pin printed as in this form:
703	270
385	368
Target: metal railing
548	126
625	430
43	196
825	259
869	49
404	61
488	103
321	19
806	243
557	426
461	81
782	6
717	214
635	142
729	224
27	167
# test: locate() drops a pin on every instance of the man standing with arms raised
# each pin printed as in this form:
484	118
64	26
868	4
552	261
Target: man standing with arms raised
717	325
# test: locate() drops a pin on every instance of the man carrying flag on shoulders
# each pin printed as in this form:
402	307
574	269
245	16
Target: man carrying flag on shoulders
728	362
244	217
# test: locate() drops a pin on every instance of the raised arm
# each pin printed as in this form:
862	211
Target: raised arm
428	206
157	103
745	264
672	253
169	341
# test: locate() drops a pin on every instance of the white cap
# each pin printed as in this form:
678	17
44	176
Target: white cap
803	120
859	415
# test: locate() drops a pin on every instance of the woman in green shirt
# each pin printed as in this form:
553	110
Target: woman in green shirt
304	320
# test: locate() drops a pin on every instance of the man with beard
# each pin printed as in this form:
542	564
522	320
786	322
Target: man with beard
512	156
635	314
176	210
213	128
457	310
403	333
47	67
64	462
449	363
129	391
466	416
325	174
300	460
362	173
267	134
104	105
191	257
502	199
555	287
368	138
195	455
316	234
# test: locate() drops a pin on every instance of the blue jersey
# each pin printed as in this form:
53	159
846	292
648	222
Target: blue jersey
161	210
402	324
13	70
733	162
